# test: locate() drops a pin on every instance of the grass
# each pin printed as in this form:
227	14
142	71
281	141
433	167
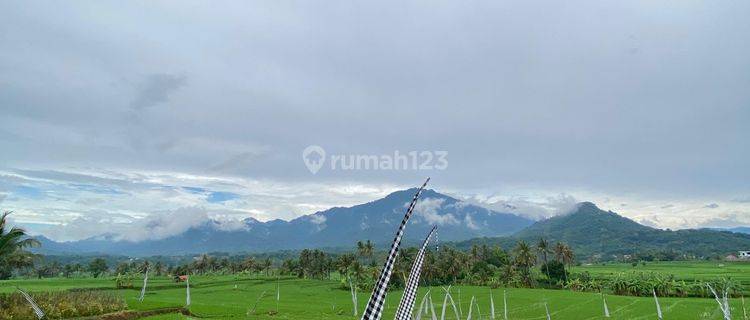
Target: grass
232	297
55	284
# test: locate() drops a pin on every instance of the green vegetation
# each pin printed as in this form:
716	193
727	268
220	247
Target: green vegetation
13	241
61	304
688	271
233	296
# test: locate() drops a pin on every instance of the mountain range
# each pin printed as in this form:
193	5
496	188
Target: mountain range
590	231
332	228
736	229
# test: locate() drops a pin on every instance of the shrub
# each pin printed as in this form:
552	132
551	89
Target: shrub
61	304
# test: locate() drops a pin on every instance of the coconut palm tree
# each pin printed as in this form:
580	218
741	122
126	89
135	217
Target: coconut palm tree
559	250
543	247
12	240
524	260
267	263
564	254
369	249
365	250
568	256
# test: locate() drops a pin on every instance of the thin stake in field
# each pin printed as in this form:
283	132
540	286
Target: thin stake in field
37	311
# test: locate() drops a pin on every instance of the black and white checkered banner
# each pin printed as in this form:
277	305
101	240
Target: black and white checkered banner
374	308
406	305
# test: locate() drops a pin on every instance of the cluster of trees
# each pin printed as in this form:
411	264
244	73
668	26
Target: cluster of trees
524	266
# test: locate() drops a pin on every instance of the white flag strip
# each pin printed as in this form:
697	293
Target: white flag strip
492	306
658	307
406	305
505	305
445	303
606	309
471	305
422	307
546	309
187	291
353	291
37	311
723	302
432	309
374	308
143	289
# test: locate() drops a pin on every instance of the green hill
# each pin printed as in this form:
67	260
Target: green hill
595	233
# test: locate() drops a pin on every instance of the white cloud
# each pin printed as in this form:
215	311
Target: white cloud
534	208
318	219
159	226
87	202
470	222
427	209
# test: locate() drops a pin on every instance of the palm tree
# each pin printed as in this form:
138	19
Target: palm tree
543	248
568	256
360	248
369	250
13	240
559	250
248	264
524	260
564	254
159	268
267	263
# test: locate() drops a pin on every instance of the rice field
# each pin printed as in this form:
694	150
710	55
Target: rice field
218	297
682	270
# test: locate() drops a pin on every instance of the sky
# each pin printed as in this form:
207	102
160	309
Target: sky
118	114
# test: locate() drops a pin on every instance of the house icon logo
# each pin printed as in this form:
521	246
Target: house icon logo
314	157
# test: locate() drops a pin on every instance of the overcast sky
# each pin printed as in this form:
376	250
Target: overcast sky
113	114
